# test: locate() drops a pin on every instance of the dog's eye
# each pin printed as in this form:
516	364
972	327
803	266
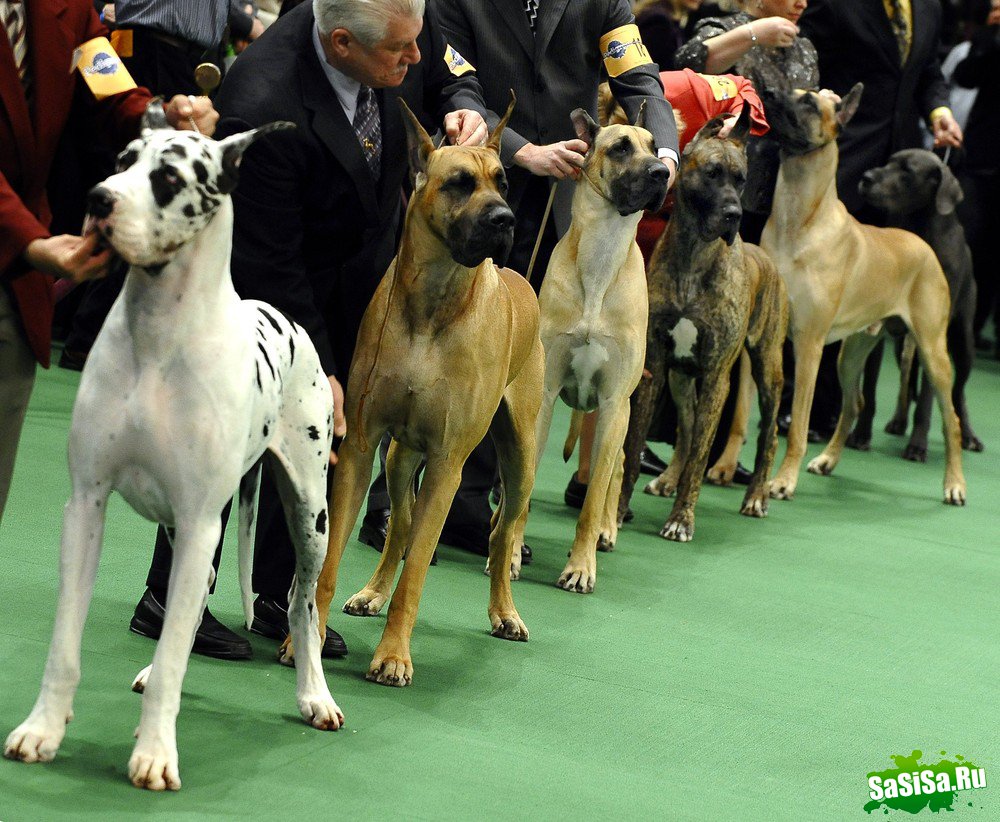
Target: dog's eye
502	185
463	183
712	171
127	158
622	147
171	177
739	178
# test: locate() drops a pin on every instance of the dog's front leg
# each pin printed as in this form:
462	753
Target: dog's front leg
680	526
38	738
391	664
153	763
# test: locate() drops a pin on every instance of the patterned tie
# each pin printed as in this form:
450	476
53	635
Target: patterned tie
531	9
900	28
13	20
367	126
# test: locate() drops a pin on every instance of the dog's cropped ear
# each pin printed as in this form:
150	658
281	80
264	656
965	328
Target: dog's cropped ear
419	146
233	148
585	127
741	128
848	104
949	193
711	128
640	118
497	135
154	117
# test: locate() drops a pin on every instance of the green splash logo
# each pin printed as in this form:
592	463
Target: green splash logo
912	785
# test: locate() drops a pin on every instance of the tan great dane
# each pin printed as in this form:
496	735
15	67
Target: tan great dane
448	350
594	313
844	279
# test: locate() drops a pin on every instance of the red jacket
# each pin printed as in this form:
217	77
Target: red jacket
28	139
698	98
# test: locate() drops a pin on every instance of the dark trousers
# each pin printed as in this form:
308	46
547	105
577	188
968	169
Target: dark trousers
980	214
165	68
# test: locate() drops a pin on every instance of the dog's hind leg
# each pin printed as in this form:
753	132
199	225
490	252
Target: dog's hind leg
916	448
685	397
854	354
38	738
768	375
897	425
861	437
725	466
153	763
962	346
642	404
808	351
249	490
401	467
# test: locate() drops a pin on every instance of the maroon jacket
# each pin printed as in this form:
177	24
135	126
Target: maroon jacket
28	138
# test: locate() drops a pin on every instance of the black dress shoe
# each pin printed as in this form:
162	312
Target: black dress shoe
475	537
649	463
270	619
742	475
785	422
212	638
72	360
576	492
375	530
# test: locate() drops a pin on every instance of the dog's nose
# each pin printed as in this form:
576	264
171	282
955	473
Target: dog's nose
868	177
100	202
732	213
659	173
501	218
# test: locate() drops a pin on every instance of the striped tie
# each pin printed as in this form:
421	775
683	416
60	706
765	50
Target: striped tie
14	24
531	9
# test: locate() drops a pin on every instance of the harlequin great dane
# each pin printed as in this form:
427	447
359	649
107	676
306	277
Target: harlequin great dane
186	389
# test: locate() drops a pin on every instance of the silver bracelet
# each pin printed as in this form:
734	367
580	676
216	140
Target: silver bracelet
753	37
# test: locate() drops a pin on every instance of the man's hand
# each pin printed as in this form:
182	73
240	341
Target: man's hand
109	13
70	257
465	128
672	166
192	113
947	132
559	160
339	421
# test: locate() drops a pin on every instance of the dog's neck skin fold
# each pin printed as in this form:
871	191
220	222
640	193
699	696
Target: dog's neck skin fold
163	311
436	288
603	238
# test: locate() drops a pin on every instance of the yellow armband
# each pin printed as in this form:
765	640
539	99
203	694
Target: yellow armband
456	63
101	68
622	50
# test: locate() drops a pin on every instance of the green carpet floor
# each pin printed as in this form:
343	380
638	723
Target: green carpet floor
759	672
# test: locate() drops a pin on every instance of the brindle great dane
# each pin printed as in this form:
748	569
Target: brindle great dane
710	297
448	350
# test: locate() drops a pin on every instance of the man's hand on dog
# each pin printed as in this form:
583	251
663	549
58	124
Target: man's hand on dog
465	128
190	113
559	160
339	421
70	257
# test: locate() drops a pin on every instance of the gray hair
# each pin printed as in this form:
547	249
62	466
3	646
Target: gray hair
368	20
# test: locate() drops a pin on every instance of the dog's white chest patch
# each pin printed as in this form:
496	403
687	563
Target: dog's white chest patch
685	334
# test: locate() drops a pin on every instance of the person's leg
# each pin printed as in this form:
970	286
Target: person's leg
17	377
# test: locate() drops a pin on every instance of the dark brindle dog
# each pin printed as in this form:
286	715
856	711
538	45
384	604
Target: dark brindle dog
710	296
919	193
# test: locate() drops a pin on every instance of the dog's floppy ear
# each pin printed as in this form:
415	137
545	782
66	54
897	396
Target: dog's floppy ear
848	104
497	135
154	117
949	192
419	145
585	127
233	148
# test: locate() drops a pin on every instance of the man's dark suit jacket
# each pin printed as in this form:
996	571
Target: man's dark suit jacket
855	43
553	71
314	233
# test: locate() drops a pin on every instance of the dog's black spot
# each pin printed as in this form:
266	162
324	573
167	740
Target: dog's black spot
266	429
166	184
310	607
260	386
177	149
313	432
274	323
208	205
189	210
267	359
320	525
291	348
200	172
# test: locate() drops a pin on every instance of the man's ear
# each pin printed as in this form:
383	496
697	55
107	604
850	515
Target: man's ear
233	148
419	145
949	193
154	117
497	135
848	104
586	128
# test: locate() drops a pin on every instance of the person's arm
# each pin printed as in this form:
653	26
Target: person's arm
933	98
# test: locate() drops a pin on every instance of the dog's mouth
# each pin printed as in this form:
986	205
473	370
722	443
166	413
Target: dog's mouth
104	231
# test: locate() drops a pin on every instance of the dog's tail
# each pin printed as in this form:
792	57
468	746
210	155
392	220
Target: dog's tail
249	487
575	423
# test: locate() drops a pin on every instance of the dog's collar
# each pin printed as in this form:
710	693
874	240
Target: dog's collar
596	187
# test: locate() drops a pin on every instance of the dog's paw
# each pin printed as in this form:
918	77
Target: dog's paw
321	711
660	487
720	474
606	543
755	504
35	740
954	494
392	669
896	426
365	602
783	487
859	441
508	625
154	767
915	453
139	683
286	653
822	465
678	530
970	442
579	577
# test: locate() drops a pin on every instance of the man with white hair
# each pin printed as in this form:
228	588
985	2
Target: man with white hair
317	210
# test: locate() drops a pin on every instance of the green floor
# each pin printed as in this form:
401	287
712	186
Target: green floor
760	672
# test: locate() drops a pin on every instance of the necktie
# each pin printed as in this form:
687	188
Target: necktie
531	9
13	21
899	20
367	126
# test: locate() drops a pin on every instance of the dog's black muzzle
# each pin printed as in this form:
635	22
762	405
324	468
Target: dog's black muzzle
643	190
489	234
